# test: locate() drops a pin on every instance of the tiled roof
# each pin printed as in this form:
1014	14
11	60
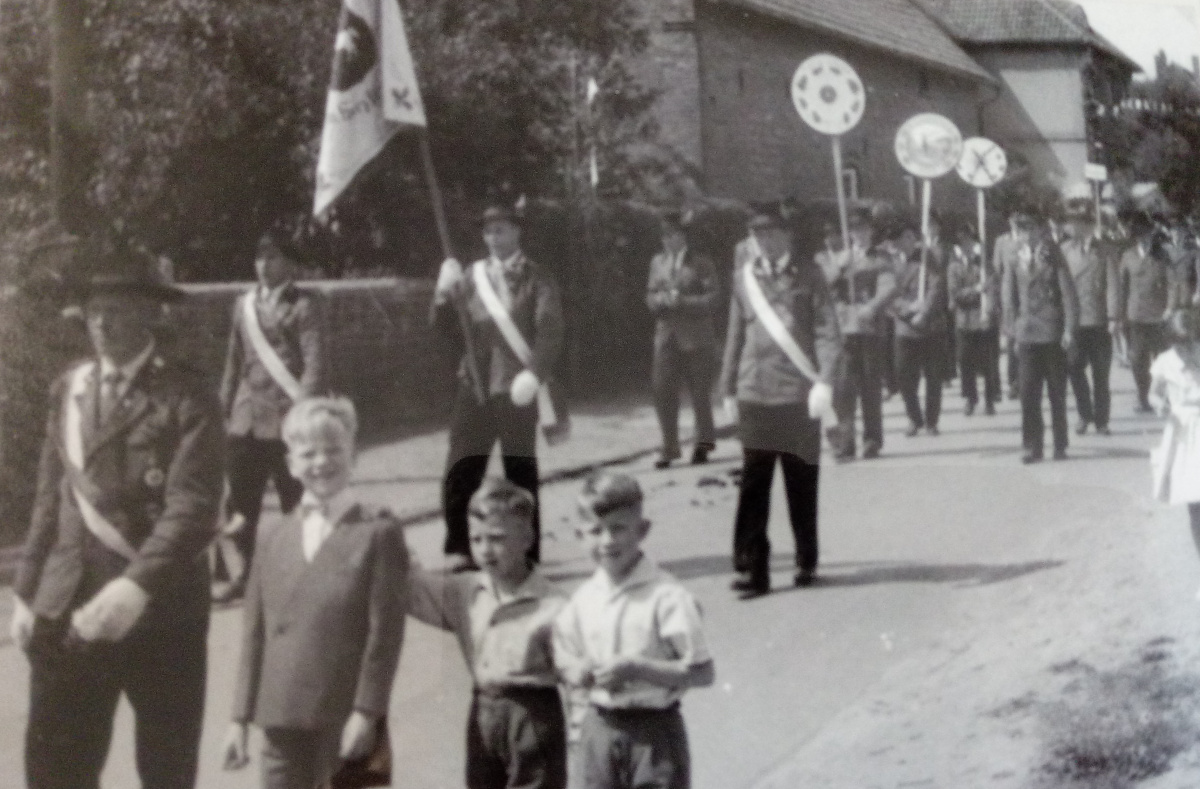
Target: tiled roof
1018	22
894	25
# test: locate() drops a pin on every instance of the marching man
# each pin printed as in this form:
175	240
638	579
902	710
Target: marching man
112	587
276	356
782	345
515	318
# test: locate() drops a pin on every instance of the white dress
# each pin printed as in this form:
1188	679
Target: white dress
1176	461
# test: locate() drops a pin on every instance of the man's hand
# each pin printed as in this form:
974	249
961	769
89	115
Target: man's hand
1068	342
112	613
358	736
820	401
613	675
20	627
1114	328
450	279
235	748
731	410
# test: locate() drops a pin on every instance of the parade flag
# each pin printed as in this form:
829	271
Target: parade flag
372	94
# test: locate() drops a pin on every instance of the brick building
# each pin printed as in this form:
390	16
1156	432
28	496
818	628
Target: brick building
1021	75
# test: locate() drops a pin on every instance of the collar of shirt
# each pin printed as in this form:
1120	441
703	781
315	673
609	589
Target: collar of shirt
318	518
513	266
271	296
509	633
533	587
129	370
644	571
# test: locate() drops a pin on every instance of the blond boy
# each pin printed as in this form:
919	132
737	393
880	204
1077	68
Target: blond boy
631	636
324	615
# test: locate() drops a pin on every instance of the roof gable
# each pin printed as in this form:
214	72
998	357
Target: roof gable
897	26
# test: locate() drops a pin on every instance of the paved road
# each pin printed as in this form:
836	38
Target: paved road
927	554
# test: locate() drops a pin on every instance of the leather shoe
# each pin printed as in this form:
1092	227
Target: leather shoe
749	586
969	410
1082	427
1103	431
1060	454
1031	457
700	454
805	578
933	431
913	430
870	450
989	410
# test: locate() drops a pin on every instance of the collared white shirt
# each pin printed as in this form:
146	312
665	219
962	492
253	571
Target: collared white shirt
649	614
498	272
319	518
506	639
128	371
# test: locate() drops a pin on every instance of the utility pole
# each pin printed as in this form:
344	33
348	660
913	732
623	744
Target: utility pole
71	146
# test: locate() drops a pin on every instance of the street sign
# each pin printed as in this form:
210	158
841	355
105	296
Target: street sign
1095	172
983	163
828	94
929	145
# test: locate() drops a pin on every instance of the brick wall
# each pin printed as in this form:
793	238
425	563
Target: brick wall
382	351
670	67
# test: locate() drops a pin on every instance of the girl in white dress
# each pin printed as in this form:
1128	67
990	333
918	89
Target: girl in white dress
1175	394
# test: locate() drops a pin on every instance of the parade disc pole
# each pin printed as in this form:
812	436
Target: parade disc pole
982	165
981	217
443	230
841	201
926	200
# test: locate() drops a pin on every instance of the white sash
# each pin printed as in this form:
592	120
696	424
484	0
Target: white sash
266	353
96	523
779	333
512	336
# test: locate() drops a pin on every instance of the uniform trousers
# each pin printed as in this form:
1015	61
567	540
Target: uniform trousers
299	758
1094	349
917	357
976	358
633	749
516	739
786	434
1042	364
1145	342
673	368
74	689
474	429
251	462
860	378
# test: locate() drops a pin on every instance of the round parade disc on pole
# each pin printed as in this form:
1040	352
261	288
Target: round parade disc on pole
828	94
983	163
929	145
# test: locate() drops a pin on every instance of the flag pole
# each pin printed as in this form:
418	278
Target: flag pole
443	230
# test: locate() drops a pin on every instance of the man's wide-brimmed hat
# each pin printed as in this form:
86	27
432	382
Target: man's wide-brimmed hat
113	266
503	212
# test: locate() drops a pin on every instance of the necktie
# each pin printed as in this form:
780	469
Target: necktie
110	393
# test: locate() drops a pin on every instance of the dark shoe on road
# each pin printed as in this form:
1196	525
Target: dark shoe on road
700	454
969	410
913	430
805	578
749	586
933	430
1031	457
989	410
1143	408
1102	430
871	450
1013	393
1060	454
1082	426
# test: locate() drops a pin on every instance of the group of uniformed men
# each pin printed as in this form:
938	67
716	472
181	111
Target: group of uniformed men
112	590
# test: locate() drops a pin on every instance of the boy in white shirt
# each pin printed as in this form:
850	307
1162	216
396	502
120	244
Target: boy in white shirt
631	637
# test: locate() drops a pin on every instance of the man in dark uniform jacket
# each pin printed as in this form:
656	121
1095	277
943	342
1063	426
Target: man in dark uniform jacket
112	586
509	411
775	404
1143	284
1041	313
862	283
680	293
974	291
256	394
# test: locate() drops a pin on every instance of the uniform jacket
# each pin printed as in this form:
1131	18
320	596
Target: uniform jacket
917	316
1142	285
681	299
536	309
254	404
963	282
874	288
755	369
1092	263
157	462
322	639
1040	303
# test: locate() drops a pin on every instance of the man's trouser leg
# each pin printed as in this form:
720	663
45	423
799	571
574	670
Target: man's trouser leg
933	366
801	480
699	370
846	390
473	432
870	389
249	461
1101	356
1055	371
666	379
1033	429
908	375
1145	342
1077	366
517	432
751	548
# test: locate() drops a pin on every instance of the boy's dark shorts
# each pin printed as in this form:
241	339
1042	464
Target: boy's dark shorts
517	738
621	749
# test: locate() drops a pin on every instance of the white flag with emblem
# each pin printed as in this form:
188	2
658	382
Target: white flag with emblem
372	93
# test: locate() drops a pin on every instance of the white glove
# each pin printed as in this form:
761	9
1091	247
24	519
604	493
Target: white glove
731	410
112	613
450	278
524	388
820	403
20	627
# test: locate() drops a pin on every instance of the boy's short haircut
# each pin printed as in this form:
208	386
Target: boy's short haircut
499	497
312	414
605	492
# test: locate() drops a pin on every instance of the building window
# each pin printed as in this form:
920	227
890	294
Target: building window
850	182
